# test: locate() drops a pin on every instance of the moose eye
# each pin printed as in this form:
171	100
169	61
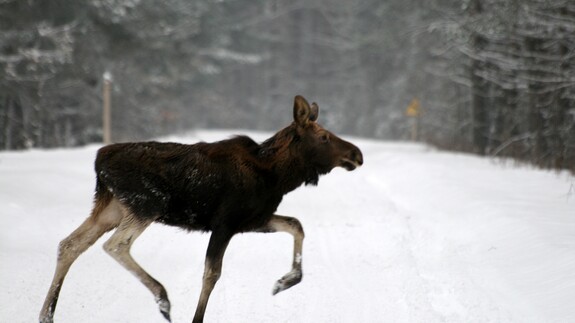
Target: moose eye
324	138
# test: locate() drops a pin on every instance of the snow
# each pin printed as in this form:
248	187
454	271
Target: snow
415	235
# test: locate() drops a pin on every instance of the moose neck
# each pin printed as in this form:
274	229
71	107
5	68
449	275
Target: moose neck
288	163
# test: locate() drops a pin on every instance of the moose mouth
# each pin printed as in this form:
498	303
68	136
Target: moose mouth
349	164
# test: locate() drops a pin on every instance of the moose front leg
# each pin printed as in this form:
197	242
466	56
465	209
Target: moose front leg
219	241
292	226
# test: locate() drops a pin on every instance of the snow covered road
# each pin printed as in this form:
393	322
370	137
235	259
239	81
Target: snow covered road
415	235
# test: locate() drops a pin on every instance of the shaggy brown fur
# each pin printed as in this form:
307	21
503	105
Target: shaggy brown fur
226	187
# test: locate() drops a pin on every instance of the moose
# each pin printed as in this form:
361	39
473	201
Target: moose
226	187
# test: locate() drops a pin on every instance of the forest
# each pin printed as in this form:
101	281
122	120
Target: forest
491	77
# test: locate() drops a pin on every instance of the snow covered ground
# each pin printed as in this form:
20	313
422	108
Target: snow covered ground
415	235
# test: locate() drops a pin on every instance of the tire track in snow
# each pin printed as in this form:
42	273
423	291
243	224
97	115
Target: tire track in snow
446	292
391	278
415	287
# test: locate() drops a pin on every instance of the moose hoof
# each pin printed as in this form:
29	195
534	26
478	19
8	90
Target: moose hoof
164	305
46	319
290	279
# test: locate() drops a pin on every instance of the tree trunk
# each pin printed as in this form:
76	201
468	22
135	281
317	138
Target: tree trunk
479	87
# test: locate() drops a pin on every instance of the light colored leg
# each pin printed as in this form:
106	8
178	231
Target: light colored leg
118	246
105	216
292	226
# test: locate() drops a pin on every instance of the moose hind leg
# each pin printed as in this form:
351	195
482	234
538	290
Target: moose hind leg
292	226
105	216
118	246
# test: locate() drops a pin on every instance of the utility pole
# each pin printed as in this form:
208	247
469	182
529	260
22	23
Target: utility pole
106	114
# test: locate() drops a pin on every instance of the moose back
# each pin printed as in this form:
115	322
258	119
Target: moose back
225	188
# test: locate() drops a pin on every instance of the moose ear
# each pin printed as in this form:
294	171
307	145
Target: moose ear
314	113
301	111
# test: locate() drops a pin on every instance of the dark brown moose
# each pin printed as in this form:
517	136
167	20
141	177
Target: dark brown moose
226	187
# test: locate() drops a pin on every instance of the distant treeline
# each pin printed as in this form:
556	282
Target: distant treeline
512	67
493	77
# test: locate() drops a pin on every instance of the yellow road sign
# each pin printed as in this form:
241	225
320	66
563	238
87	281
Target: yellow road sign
413	109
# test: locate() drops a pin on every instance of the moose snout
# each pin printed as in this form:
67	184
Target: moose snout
352	160
357	156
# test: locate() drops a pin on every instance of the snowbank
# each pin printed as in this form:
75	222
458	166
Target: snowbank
415	235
